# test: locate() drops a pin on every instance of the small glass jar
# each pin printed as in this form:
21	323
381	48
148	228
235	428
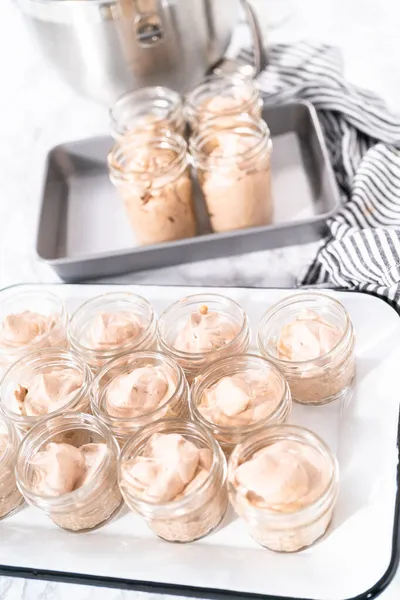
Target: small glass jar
82	321
10	497
92	504
326	378
150	109
290	530
42	362
228	436
175	405
222	96
153	179
174	319
233	166
199	512
50	324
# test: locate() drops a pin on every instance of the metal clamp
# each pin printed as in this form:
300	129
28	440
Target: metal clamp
229	66
260	55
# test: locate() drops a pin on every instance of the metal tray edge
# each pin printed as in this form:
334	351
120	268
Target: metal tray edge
201	240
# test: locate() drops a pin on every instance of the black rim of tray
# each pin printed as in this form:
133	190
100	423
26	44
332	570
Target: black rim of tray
214	593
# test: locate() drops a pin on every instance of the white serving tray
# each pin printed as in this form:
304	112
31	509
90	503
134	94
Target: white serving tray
357	559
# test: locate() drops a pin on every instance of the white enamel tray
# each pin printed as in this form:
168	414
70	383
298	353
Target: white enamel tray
356	560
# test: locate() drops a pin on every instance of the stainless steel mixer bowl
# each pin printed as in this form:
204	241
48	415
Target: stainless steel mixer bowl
103	48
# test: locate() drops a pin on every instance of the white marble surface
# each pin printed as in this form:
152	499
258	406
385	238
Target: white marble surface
38	112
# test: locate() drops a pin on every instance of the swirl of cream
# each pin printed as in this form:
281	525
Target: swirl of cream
110	330
228	145
220	104
308	337
139	392
227	107
149	159
94	456
284	477
46	392
206	331
62	468
147	127
241	399
170	468
24	328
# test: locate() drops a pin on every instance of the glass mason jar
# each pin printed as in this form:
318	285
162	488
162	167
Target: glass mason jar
37	363
222	95
90	505
194	515
150	110
29	320
327	377
233	166
173	320
153	179
231	433
294	528
10	497
122	426
125	304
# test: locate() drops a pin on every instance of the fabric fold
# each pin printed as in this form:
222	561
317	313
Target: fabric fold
362	250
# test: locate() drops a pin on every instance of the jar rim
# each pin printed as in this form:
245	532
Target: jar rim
42	358
274	310
150	93
200	298
233	80
144	435
166	140
110	353
244	429
62	320
80	421
301	435
131	421
244	124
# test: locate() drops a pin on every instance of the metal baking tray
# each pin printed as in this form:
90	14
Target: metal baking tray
83	232
356	560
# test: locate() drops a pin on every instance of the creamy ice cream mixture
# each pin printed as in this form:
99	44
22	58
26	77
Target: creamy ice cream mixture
158	197
61	468
306	338
148	126
148	159
284	477
227	107
112	329
44	393
222	104
237	190
242	399
170	468
23	328
206	331
139	392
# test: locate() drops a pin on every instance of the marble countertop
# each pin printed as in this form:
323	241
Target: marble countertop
38	112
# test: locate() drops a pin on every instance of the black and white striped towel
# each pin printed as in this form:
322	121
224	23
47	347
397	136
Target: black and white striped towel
362	251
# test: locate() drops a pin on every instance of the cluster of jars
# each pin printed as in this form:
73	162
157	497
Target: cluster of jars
120	427
167	145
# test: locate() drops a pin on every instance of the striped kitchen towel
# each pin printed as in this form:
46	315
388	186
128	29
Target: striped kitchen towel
362	250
